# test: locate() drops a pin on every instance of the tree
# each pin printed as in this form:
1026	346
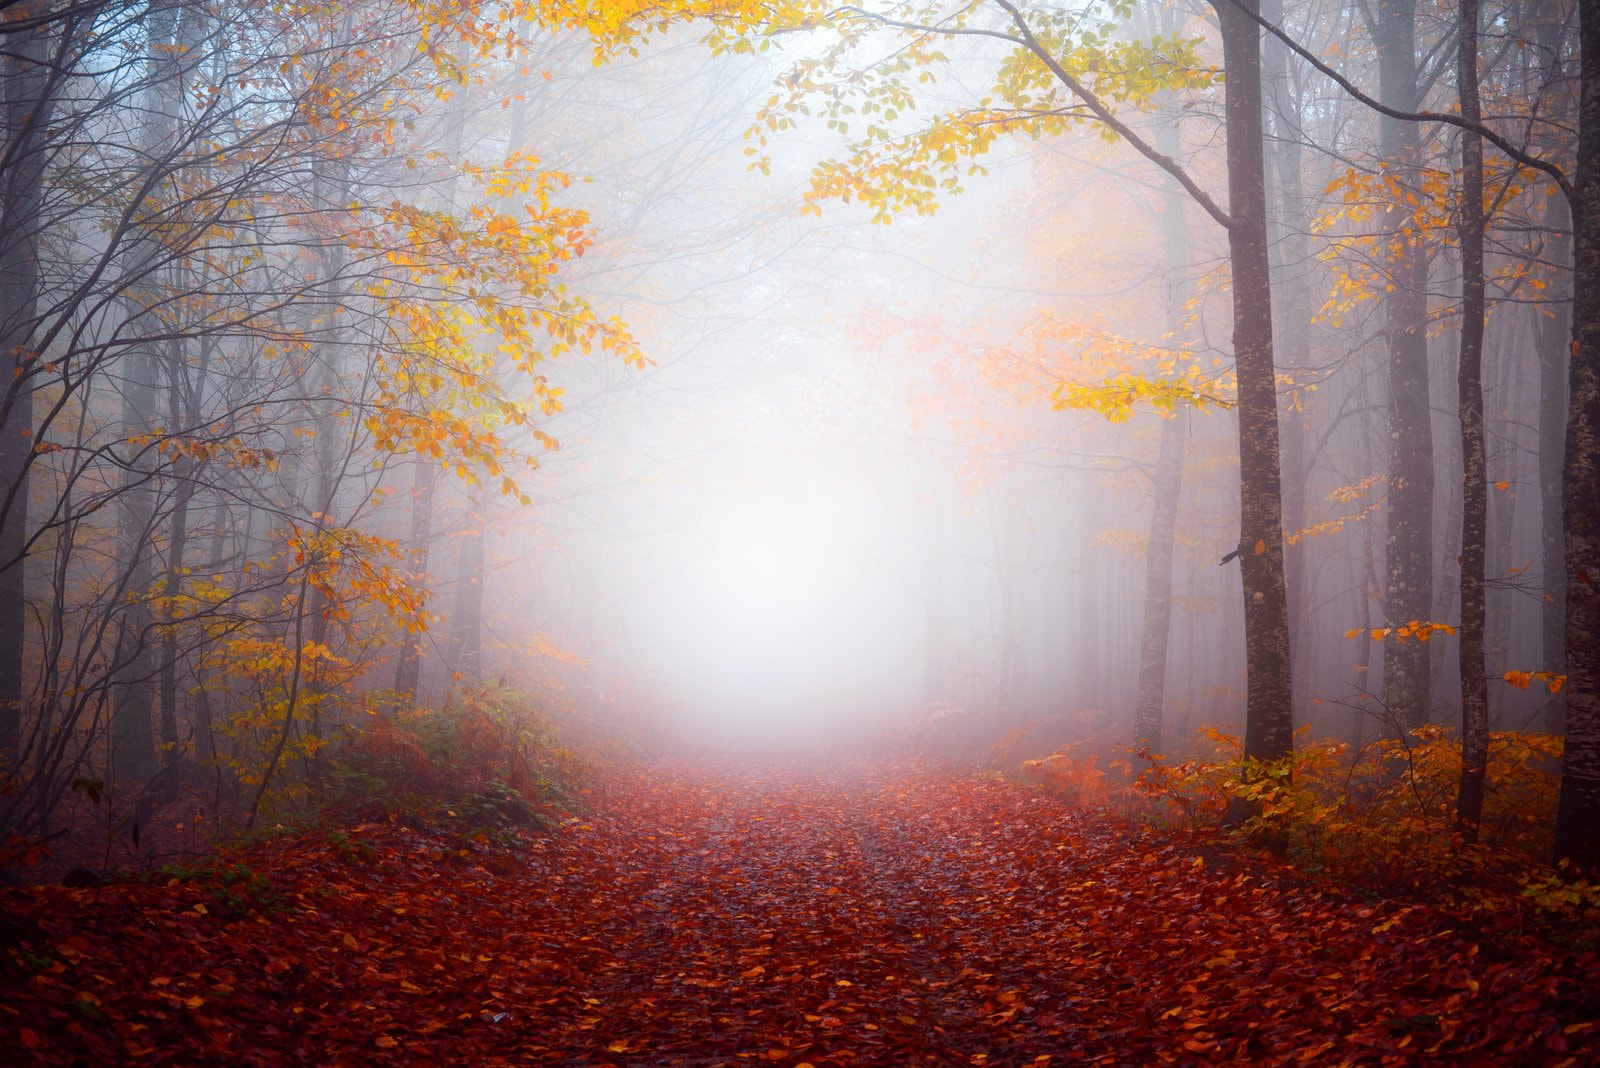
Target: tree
1474	457
1578	817
28	81
1063	53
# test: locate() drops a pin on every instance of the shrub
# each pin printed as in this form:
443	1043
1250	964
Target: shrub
488	761
1382	819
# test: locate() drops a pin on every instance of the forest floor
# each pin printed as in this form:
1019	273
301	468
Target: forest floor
885	916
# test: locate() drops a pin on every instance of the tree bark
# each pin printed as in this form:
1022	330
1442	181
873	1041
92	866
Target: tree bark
1293	301
1555	332
425	477
133	735
1408	558
1269	719
1167	484
1578	814
27	107
1474	456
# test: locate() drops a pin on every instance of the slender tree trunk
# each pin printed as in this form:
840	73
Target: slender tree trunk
133	734
1293	299
1090	683
1167	490
1554	334
467	615
1269	718
933	621
1167	487
27	110
1578	814
1005	574
1553	340
1502	553
1447	587
425	477
1408	553
1474	457
184	395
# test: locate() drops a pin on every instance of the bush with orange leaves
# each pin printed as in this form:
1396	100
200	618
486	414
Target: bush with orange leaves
1073	772
1382	818
488	759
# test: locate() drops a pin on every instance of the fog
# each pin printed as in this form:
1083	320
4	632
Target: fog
842	497
802	390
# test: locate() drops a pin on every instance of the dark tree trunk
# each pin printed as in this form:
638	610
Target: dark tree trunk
26	110
1578	814
1474	457
1554	337
1269	718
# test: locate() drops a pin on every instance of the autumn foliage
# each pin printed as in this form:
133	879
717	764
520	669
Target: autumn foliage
1381	818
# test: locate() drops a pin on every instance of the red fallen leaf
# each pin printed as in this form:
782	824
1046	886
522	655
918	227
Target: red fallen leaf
957	899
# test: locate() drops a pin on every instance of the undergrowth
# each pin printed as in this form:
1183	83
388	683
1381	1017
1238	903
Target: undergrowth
1381	819
488	763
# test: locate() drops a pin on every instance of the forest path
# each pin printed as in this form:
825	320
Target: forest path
889	916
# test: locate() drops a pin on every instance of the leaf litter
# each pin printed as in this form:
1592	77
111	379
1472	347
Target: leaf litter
882	915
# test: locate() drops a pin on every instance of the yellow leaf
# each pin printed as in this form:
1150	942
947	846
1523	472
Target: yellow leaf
1261	547
385	1042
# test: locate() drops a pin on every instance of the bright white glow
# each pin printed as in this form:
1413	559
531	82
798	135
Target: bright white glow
785	621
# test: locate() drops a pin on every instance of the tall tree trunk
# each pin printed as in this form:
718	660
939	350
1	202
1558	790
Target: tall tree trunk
1408	553
1293	299
27	108
1555	331
466	617
133	735
1369	586
933	601
1167	490
1269	717
424	479
1553	340
1167	485
1578	814
1005	574
1090	684
1474	457
1500	538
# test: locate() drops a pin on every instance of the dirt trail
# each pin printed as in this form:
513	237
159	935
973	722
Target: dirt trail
886	917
